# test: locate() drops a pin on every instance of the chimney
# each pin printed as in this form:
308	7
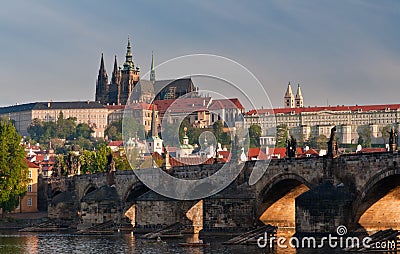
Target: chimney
48	104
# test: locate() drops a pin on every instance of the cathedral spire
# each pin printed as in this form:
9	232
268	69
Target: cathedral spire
102	83
114	76
102	68
115	64
128	65
152	71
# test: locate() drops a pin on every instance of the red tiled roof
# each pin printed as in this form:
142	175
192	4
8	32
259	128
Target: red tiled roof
277	150
373	150
322	108
117	143
115	107
182	105
132	106
175	162
225	154
311	151
39	157
226	103
31	164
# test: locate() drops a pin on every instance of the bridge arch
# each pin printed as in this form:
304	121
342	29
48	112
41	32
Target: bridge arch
134	191
88	189
276	201
378	203
56	192
129	198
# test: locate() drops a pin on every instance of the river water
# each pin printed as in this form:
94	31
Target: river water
42	243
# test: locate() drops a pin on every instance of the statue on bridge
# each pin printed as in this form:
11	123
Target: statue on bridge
291	147
332	143
392	140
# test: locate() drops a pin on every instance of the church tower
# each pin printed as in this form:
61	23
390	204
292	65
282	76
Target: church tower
114	89
129	76
102	83
299	98
154	142
288	100
152	71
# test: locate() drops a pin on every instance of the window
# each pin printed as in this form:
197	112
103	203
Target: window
30	174
29	202
29	187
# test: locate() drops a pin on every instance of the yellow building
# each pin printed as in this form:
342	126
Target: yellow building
92	113
29	203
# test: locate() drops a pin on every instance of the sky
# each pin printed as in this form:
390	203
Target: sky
341	52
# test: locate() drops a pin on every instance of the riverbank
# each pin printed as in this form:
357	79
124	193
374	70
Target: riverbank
22	220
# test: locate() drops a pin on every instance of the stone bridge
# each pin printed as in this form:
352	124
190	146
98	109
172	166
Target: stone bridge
310	194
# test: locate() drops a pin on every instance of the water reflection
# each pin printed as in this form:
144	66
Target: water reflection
17	243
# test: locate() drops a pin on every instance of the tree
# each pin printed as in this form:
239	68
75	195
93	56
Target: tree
254	135
114	130
121	162
83	130
132	128
364	136
318	142
36	129
95	161
218	129
385	133
282	134
13	168
65	127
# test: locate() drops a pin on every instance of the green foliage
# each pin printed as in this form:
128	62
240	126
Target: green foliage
254	135
83	131
222	137
114	130
13	169
132	157
95	161
121	163
132	128
65	129
385	133
364	136
318	142
282	134
61	165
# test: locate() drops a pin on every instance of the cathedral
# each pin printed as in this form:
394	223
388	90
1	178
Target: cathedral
125	80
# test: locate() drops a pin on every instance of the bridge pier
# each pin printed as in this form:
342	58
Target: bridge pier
322	209
153	211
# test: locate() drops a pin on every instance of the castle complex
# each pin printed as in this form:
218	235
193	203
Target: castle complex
125	80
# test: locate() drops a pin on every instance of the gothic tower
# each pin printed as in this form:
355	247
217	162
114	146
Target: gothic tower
152	71
102	83
114	90
288	100
129	76
299	98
